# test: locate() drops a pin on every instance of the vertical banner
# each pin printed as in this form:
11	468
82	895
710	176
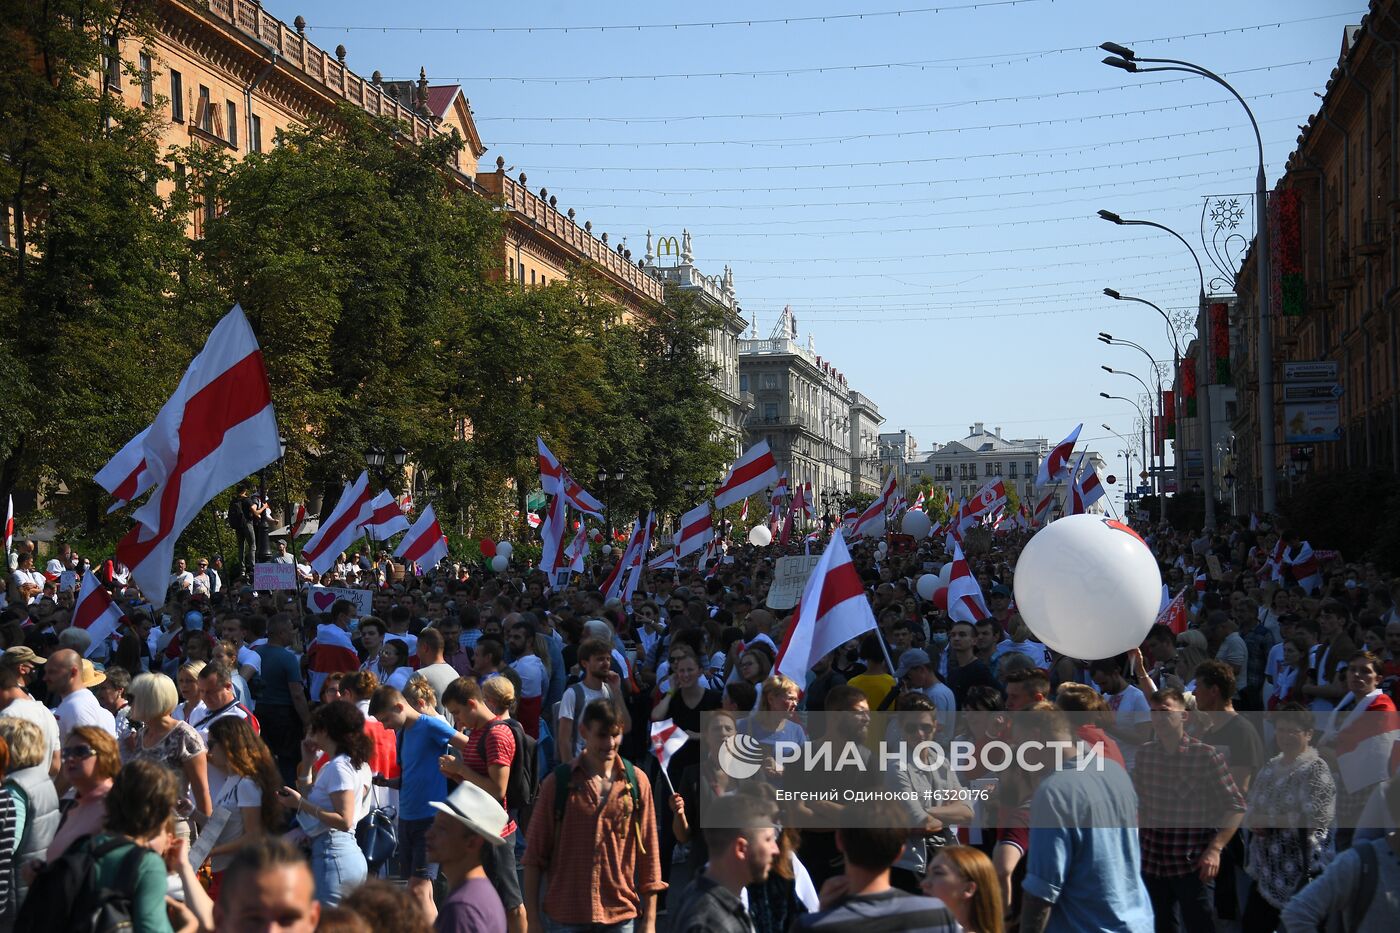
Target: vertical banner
1169	407
1158	435
1220	342
1287	287
1186	374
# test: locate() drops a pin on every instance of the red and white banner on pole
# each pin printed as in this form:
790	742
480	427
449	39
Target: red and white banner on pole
216	429
95	613
833	610
965	602
341	527
125	476
425	544
386	517
9	525
1055	466
697	527
871	522
752	473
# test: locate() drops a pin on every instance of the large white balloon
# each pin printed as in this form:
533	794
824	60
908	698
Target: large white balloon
499	563
505	549
945	573
1088	587
926	586
916	524
760	536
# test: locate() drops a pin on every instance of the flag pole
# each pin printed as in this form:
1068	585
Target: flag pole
668	778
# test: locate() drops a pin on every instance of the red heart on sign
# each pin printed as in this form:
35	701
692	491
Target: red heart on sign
323	601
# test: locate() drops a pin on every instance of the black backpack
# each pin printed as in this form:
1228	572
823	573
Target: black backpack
66	896
234	517
523	783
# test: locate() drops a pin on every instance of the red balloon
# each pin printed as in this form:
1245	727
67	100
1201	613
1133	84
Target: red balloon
940	598
488	547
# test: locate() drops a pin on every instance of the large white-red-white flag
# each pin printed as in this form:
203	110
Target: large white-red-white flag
551	470
664	560
751	473
552	556
833	611
125	476
1055	466
1366	739
94	612
9	525
331	652
612	586
871	522
1084	487
991	495
425	544
965	602
580	498
217	428
696	529
386	517
341	527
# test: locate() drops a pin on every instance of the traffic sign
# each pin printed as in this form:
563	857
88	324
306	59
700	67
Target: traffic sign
1312	392
1316	371
1130	497
1144	489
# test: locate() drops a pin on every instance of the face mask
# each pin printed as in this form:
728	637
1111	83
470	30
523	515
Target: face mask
939	640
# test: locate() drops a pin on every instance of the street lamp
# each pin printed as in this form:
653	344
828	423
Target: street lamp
605	479
1125	58
375	457
1171	328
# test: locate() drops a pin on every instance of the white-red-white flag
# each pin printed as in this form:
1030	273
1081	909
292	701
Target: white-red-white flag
833	610
386	517
125	476
9	525
330	652
1042	508
666	739
918	505
551	470
664	560
1055	466
871	522
802	500
612	586
580	498
1173	614
1084	487
1366	740
965	602
552	535
425	543
339	529
94	612
753	472
744	511
634	575
217	428
578	549
697	527
297	521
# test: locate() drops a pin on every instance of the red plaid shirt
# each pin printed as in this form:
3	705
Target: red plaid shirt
1183	796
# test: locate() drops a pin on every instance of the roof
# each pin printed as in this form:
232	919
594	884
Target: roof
446	99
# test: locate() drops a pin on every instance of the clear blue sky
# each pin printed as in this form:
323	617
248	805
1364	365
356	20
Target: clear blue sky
960	281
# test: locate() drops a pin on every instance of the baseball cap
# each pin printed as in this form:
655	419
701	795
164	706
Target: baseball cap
914	657
475	809
20	654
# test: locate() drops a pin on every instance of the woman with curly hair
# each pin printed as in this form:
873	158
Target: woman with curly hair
330	806
248	799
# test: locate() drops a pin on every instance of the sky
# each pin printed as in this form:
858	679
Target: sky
920	188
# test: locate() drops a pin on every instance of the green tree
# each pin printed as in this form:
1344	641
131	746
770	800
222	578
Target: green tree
99	306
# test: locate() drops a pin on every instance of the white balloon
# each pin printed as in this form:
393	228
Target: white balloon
760	536
499	563
882	547
926	586
505	549
606	549
916	525
945	573
1088	587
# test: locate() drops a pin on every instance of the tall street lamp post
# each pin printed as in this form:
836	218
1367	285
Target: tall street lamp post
1202	360
1144	416
1113	341
1126	59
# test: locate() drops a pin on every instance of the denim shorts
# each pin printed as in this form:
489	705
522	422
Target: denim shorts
413	849
337	866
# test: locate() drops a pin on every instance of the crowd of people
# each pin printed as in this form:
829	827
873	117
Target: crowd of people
474	753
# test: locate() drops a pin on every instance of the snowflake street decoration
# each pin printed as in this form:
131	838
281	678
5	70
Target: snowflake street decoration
1227	214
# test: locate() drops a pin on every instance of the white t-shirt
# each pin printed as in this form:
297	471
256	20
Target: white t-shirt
238	792
567	710
249	658
184	579
80	708
337	775
21	577
1129	710
533	678
39	714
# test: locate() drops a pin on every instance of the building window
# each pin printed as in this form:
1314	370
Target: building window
532	276
521	270
770	380
1030	468
206	112
1013	469
177	97
743	382
231	115
112	62
148	94
770	412
511	266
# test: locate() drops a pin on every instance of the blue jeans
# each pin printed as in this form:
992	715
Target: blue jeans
337	865
552	926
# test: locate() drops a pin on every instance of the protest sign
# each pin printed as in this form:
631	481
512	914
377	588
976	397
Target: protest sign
789	578
274	576
321	598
